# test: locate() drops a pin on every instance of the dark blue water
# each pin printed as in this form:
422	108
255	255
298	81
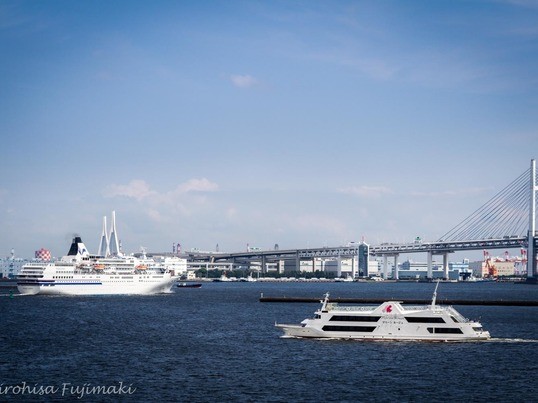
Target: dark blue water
218	343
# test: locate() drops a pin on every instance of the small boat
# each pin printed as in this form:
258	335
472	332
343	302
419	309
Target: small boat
389	321
189	285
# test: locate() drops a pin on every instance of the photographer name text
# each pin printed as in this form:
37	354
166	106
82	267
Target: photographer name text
66	389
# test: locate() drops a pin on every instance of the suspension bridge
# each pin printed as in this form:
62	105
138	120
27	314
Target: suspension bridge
506	221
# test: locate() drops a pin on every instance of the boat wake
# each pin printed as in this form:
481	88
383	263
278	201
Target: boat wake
312	338
492	340
508	340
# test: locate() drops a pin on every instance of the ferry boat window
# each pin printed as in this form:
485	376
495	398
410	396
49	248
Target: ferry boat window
445	330
418	319
346	318
329	328
454	319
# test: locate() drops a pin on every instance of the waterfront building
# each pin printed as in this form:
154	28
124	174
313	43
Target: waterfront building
364	261
374	268
497	268
419	270
459	270
339	267
178	264
10	266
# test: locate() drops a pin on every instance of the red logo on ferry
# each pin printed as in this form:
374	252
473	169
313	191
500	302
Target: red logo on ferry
388	309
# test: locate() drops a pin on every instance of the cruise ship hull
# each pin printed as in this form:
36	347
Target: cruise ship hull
99	285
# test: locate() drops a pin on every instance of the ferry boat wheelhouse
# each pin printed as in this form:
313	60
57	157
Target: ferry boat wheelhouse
79	273
388	321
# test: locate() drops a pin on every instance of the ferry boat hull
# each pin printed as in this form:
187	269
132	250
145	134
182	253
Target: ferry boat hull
388	321
299	331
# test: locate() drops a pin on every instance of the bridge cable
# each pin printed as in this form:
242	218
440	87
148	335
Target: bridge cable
503	215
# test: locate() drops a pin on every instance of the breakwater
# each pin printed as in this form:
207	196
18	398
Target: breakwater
440	301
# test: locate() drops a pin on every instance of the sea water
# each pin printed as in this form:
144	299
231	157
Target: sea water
219	343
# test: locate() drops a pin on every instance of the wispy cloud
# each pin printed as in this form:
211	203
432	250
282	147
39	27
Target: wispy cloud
136	189
188	199
243	81
448	193
372	67
198	185
139	189
366	191
11	17
155	215
521	3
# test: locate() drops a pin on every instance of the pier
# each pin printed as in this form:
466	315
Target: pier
440	301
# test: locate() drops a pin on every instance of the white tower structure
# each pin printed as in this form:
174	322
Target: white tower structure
531	253
114	243
104	249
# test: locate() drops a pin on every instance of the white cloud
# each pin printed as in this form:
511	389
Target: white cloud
366	191
231	213
155	215
447	193
198	185
243	81
136	189
139	189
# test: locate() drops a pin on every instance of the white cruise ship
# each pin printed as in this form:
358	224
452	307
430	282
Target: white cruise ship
388	321
78	273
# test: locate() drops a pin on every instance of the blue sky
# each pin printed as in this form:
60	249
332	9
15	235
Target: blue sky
302	123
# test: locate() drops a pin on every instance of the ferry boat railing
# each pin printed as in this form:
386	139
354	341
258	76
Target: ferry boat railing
335	307
418	307
352	308
460	318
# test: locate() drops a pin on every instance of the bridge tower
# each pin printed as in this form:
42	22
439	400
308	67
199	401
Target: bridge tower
104	247
114	248
531	252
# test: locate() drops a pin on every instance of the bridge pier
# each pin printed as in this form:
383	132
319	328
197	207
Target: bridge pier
445	266
385	267
339	266
280	266
395	275
430	265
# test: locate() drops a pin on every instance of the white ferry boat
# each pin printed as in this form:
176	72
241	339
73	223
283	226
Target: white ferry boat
78	273
388	321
